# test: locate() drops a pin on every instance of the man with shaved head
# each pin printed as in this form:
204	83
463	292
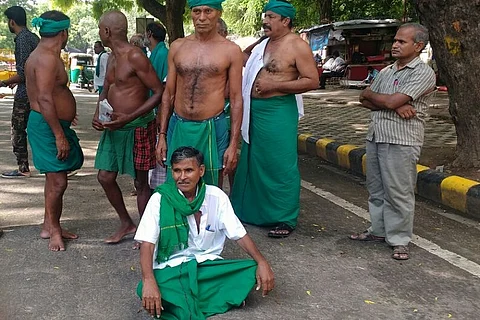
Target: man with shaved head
125	115
199	67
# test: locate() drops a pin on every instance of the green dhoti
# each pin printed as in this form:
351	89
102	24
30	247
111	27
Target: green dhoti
44	148
196	291
266	189
115	148
211	137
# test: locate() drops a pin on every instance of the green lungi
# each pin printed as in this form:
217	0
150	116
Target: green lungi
196	291
266	190
211	137
44	148
115	148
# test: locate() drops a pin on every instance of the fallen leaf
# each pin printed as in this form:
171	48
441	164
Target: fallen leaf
56	267
369	302
323	228
315	225
436	298
84	257
312	237
309	293
9	250
281	243
132	268
450	315
415	310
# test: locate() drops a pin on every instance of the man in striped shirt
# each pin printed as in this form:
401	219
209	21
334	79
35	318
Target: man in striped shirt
398	99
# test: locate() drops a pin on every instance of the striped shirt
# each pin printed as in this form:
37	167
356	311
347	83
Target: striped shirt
416	80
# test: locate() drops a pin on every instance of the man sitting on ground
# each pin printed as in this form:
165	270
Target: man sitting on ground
184	247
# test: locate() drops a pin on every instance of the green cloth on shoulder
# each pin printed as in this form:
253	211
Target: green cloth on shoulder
44	148
115	148
215	4
282	8
266	189
199	290
174	209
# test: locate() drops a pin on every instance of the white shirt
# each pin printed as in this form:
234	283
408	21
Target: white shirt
218	221
98	81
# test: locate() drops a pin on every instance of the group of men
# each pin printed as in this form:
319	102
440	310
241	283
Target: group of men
184	224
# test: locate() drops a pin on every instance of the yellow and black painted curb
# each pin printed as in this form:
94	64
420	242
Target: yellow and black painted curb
452	191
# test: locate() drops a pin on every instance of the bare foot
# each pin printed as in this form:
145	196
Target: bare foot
122	232
56	243
45	234
136	246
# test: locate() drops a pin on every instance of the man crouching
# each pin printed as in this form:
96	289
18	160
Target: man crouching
183	233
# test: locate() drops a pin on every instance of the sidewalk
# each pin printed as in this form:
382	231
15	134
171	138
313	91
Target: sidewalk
335	126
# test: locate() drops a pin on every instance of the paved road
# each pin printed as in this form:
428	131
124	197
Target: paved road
320	274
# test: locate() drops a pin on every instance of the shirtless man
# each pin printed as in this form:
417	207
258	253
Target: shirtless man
199	67
54	145
128	143
266	191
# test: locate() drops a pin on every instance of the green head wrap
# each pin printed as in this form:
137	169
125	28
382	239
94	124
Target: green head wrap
284	9
215	4
50	26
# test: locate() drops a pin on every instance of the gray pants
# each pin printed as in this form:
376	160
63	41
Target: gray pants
391	179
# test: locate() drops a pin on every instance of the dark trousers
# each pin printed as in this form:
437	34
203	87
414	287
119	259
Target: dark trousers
21	111
326	75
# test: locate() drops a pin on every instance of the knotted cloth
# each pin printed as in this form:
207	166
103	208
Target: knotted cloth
50	26
282	8
215	4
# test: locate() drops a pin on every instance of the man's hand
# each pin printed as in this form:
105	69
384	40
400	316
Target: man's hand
265	278
161	150
230	159
263	86
96	124
118	121
406	111
151	298
63	148
362	94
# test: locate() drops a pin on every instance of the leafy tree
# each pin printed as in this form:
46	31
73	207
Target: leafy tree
83	31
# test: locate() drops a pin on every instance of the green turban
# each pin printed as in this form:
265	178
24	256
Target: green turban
215	4
282	8
50	26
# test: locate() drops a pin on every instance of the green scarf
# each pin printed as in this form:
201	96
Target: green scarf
215	4
50	26
174	209
282	8
97	67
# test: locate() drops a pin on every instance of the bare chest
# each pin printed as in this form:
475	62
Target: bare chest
277	60
119	71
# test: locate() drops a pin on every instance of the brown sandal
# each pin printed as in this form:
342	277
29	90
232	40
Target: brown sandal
366	236
400	253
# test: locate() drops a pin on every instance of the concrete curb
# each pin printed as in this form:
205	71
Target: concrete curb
450	190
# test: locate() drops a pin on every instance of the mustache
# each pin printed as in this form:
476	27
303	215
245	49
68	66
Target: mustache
265	26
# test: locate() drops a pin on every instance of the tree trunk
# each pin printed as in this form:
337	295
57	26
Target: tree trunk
454	31
174	23
325	10
170	14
